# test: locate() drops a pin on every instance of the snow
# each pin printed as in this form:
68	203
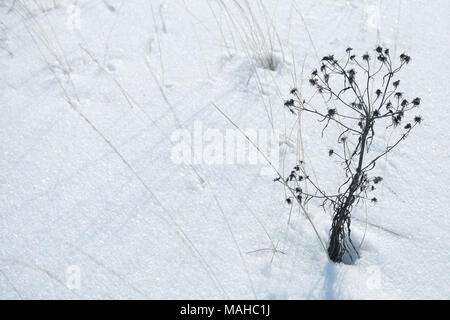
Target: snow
92	92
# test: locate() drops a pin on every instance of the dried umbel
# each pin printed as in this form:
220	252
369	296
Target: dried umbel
365	98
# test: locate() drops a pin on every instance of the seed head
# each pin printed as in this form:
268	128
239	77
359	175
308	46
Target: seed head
289	103
405	58
377	179
416	101
381	58
331	112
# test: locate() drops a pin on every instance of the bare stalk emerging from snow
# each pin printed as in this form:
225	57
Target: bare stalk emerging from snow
366	100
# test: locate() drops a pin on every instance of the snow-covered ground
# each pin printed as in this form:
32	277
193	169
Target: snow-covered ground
94	95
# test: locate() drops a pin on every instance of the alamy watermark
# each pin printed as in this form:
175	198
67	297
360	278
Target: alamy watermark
211	146
373	281
73	279
73	20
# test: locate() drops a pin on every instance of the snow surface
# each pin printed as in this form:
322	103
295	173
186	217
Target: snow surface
91	92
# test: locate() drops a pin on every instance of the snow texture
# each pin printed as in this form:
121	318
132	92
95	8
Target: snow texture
91	92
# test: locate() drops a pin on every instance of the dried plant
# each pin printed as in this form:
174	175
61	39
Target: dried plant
364	92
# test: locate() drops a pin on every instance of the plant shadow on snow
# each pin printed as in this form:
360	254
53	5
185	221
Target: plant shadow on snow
329	281
269	61
254	74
